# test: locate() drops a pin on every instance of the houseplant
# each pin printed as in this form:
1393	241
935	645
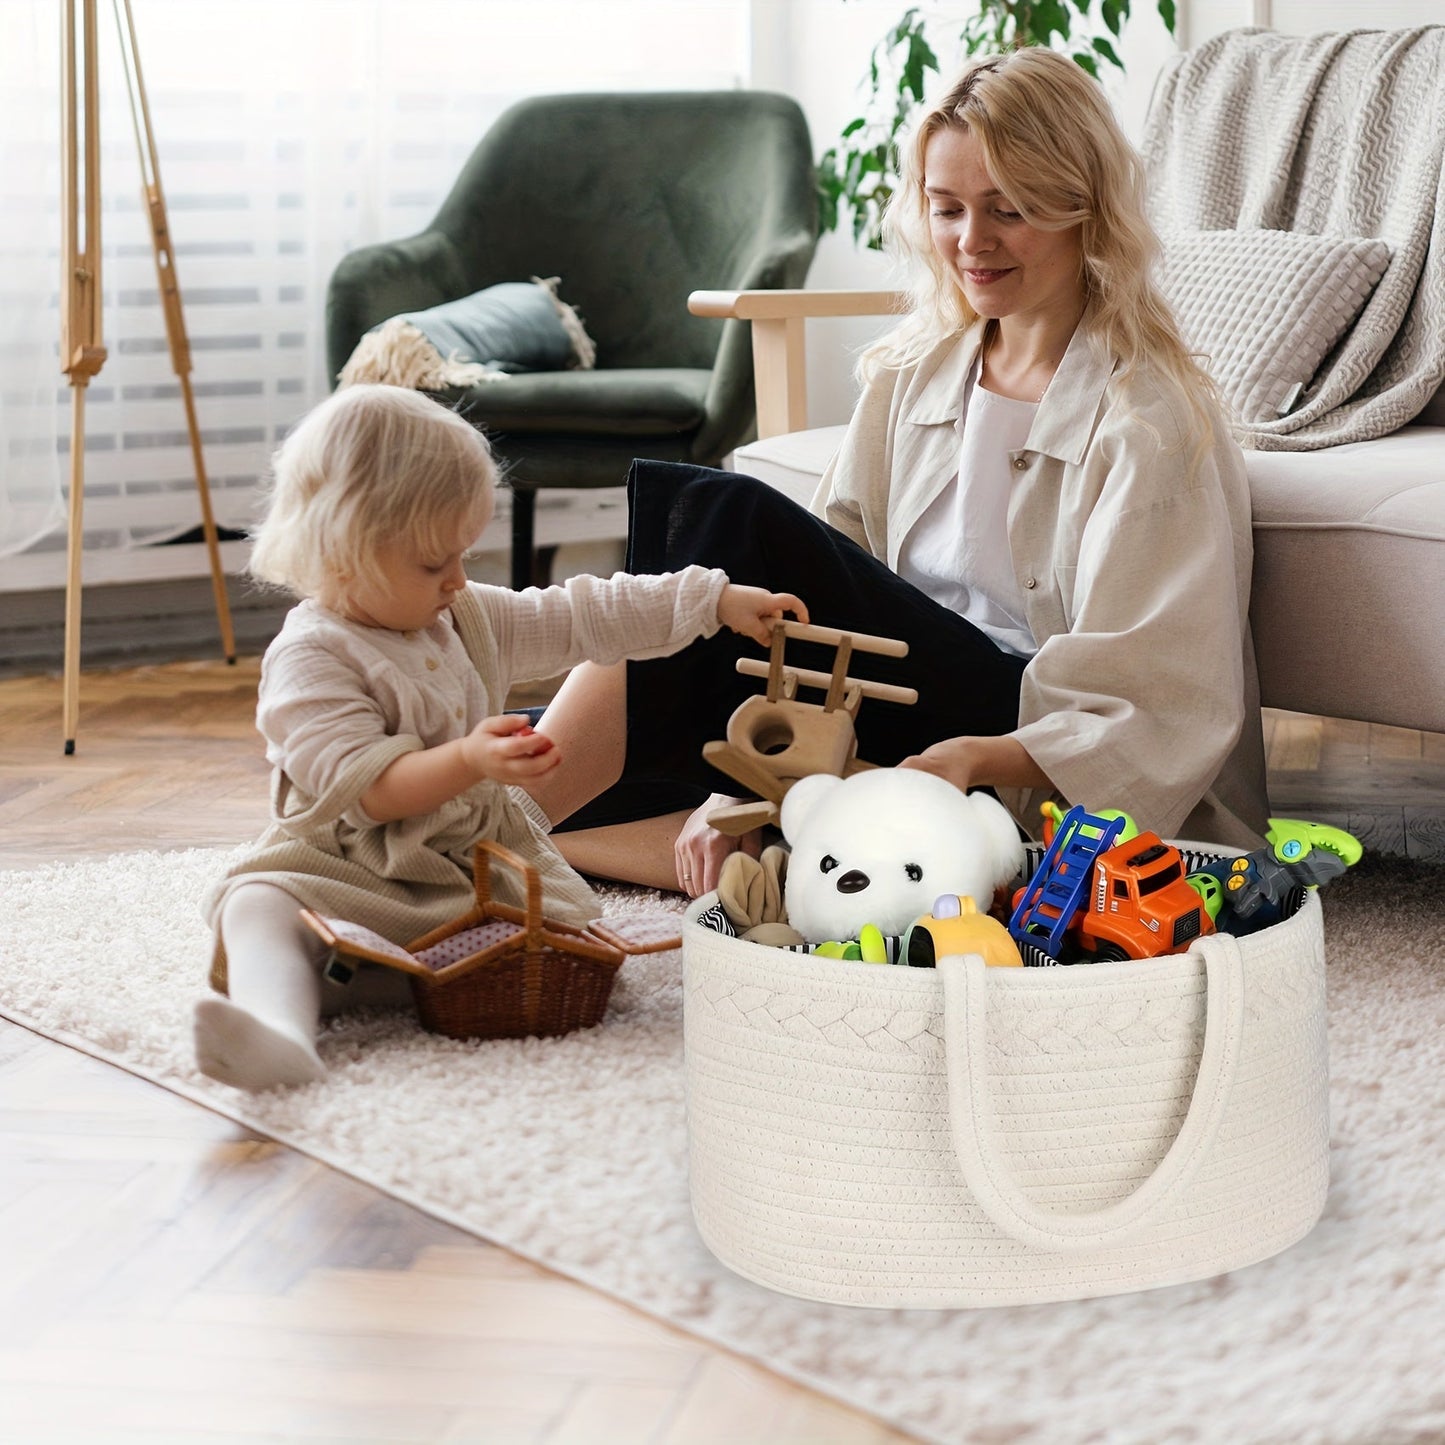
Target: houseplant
857	174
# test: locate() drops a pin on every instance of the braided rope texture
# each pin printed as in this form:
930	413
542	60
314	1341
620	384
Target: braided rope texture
821	1151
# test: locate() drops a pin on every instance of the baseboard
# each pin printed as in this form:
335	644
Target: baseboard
126	624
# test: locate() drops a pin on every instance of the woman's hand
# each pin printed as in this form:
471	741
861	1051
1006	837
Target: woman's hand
953	760
506	749
978	762
752	611
701	851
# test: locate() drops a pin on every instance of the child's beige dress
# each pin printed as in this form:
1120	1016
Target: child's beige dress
340	701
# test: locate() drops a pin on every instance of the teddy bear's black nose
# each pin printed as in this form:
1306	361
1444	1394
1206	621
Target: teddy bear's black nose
853	881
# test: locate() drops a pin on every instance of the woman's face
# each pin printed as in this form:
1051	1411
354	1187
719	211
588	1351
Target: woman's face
1003	265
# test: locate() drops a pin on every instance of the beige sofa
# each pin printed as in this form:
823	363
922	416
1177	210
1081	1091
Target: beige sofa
1349	567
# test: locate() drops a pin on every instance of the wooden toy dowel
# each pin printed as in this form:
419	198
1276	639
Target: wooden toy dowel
754	667
862	641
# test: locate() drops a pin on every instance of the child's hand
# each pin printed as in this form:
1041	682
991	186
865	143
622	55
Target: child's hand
506	749
753	610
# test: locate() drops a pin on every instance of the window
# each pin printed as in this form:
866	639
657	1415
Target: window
289	132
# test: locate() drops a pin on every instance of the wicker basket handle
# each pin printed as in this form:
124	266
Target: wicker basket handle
482	853
971	1111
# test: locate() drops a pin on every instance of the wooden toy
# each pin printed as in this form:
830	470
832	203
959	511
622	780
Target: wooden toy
499	972
775	739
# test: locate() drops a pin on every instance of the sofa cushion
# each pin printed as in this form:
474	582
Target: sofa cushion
1265	308
792	463
612	401
1349	578
1393	484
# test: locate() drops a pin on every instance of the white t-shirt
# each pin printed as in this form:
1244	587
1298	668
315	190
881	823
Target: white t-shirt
957	552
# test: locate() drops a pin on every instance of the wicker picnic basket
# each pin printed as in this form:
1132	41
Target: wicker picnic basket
495	972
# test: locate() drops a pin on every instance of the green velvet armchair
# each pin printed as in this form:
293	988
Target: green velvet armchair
634	201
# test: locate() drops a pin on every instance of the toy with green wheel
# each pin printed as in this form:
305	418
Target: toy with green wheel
1257	889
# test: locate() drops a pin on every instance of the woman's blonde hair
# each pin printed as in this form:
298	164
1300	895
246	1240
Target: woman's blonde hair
1053	147
368	466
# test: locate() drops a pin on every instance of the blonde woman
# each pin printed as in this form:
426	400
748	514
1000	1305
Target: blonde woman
1037	491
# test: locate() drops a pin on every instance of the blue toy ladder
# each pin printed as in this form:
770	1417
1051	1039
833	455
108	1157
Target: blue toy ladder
1061	880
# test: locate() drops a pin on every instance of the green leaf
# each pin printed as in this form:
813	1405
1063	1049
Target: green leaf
919	61
1115	13
1087	62
909	25
1167	14
1107	51
1043	19
853	127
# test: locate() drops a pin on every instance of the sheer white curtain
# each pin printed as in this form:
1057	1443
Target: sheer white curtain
289	131
30	496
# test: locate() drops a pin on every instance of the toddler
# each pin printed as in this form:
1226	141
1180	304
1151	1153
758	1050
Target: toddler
381	706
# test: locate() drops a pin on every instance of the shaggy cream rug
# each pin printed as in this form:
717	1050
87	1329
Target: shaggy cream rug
573	1153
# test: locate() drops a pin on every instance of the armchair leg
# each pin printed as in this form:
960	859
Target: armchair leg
524	527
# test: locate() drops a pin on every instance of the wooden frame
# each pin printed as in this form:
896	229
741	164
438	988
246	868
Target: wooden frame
775	739
82	345
779	322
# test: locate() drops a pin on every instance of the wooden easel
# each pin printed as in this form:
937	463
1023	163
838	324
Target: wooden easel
82	347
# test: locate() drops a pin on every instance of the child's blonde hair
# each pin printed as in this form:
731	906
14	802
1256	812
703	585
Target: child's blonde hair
368	466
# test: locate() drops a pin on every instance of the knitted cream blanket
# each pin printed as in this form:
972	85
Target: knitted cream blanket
1331	134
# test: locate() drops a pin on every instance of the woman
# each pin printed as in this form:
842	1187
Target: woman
1037	492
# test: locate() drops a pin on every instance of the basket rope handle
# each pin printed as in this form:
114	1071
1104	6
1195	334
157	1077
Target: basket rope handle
975	1137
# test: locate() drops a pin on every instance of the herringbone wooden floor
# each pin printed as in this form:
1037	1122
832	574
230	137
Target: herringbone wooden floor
171	1276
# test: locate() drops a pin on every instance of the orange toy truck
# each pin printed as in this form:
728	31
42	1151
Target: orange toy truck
1106	900
1140	905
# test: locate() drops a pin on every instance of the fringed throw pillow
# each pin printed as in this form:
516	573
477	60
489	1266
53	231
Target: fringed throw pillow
512	327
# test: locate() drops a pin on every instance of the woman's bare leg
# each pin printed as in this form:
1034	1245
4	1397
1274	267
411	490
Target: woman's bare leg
636	852
588	722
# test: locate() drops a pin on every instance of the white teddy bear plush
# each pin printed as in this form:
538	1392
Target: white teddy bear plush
880	846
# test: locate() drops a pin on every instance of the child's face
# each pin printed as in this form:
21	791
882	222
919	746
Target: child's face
410	584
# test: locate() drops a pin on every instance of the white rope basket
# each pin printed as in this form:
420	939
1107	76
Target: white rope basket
874	1135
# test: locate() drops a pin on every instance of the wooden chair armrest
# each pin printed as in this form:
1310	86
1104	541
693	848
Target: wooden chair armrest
779	357
782	304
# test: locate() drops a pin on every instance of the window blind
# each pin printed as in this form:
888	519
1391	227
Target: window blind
289	132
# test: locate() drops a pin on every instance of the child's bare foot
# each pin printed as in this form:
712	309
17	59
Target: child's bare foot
246	1052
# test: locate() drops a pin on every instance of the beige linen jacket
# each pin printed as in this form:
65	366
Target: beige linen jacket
1134	559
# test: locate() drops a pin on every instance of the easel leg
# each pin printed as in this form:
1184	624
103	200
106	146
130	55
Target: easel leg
208	520
170	293
74	547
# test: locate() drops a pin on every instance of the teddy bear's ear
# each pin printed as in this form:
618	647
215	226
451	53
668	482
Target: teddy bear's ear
1006	848
801	799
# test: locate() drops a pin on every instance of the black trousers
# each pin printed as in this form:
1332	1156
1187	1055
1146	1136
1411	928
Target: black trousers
681	514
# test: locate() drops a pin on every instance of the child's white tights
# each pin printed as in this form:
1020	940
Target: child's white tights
264	1033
